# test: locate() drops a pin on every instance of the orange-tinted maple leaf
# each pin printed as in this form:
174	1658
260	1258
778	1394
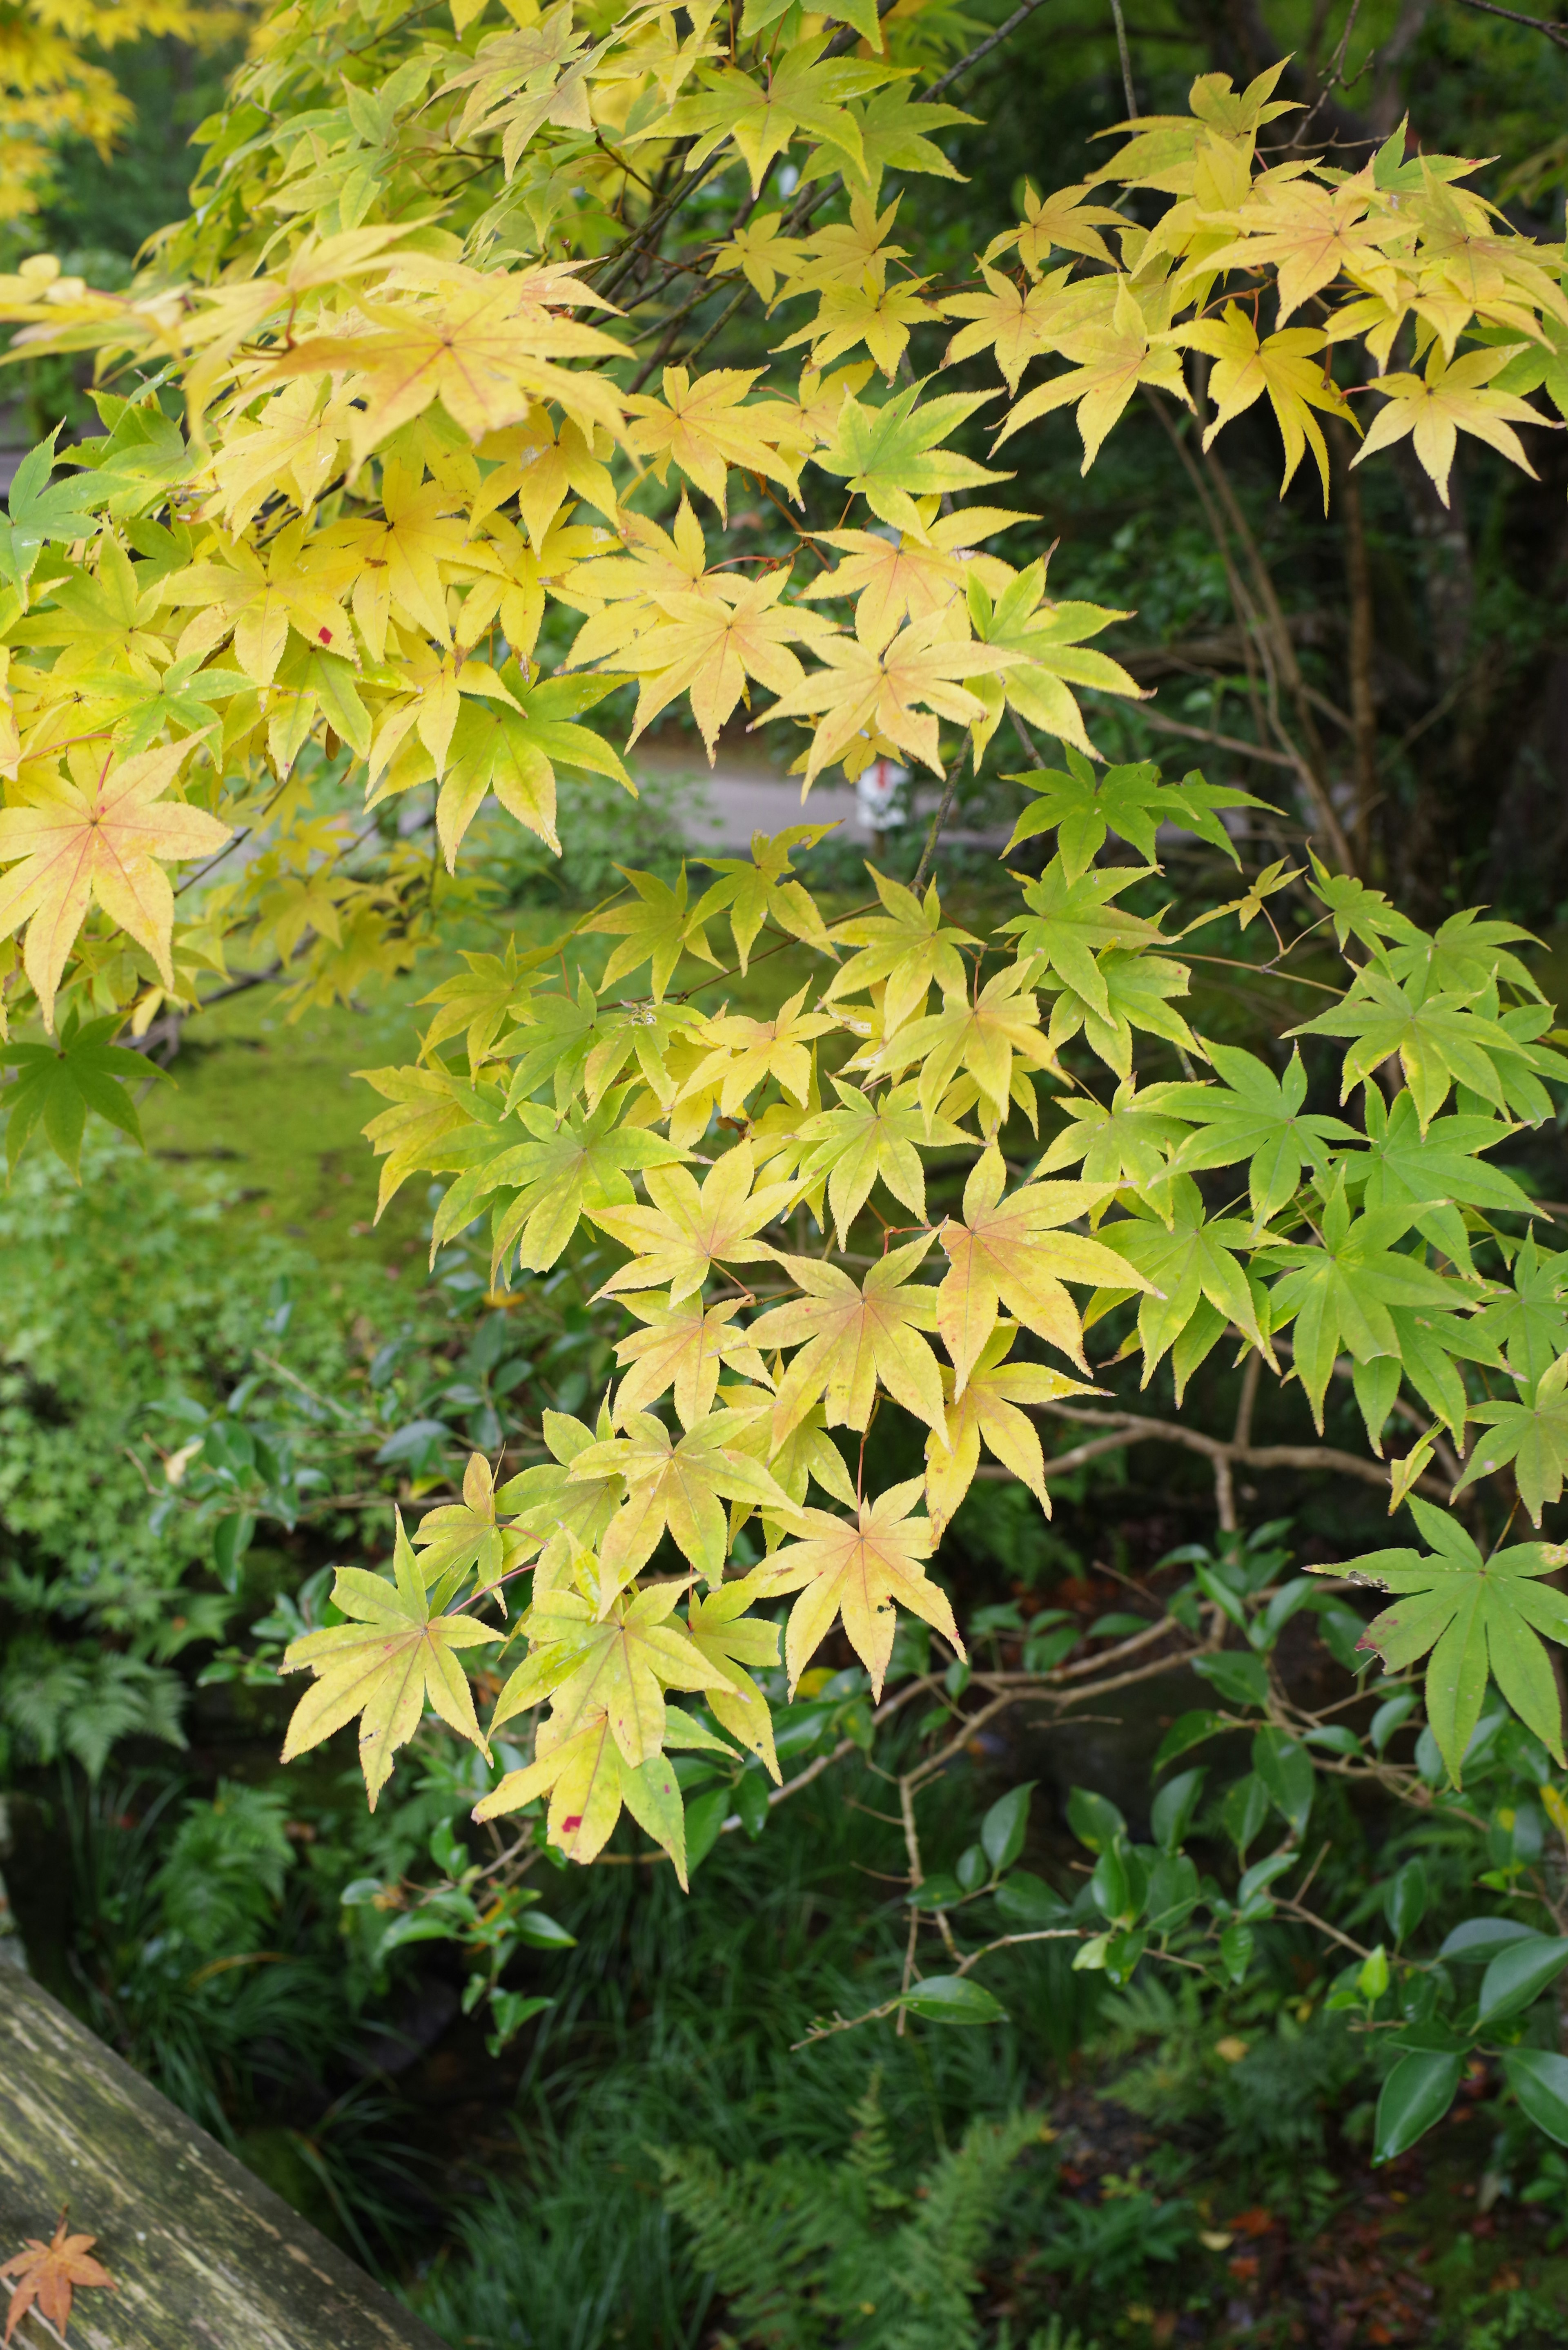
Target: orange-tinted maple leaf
47	2274
76	843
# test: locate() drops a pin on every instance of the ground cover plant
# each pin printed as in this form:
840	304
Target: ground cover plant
776	1212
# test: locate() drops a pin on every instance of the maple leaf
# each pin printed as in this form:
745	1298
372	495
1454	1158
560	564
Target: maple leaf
1059	220
59	1083
430	1115
574	1162
1012	1251
45	2275
908	577
686	1231
732	1641
858	1569
588	1780
1139	990
1245	369
382	1665
483	346
1310	233
298	586
1045	642
762	251
708	645
618	1661
1114	357
984	1037
850	1337
1258	1116
1474	1614
755	889
869	689
510	743
1531	1433
888	455
521	80
1436	408
1071	924
99	839
1440	1039
803	91
1014	322
705	427
685	1347
1340	1292
871	1135
480	1000
1437	1171
891	126
868	312
987	1412
1131	1142
1080	808
1187	1258
38	509
660	929
905	950
1529	1321
674	1488
746	1053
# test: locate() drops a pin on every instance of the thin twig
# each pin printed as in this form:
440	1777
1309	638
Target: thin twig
981	49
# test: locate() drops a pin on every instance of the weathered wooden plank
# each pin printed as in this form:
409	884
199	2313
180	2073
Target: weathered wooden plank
206	2257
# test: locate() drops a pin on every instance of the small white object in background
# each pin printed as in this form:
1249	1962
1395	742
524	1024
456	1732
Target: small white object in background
878	792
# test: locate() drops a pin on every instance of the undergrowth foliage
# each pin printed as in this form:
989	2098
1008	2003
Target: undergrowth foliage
448	476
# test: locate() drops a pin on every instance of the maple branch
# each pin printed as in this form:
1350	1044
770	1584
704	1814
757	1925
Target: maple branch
1558	34
1163	725
1124	56
980	50
929	850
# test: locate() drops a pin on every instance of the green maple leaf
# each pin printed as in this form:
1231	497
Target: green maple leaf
1070	923
1050	638
1359	912
1532	1433
1473	1615
1138	990
1132	802
1257	1117
142	458
890	456
892	129
382	1665
1340	1293
40	509
1191	1261
59	1083
1434	1174
1440	1040
660	928
514	751
571	1161
481	999
138	708
1467	954
1530	1324
1131	1142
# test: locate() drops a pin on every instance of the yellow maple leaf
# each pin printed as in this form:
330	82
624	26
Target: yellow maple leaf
910	574
1113	358
868	1137
708	644
879	689
382	1665
906	949
1281	366
299	438
1436	408
745	1052
801	91
298	585
1060	219
102	838
984	1036
1014	1252
858	1568
705	427
850	1336
987	1412
1015	321
1308	234
685	1232
684	1347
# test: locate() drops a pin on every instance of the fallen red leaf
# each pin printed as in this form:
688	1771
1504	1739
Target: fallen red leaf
48	2274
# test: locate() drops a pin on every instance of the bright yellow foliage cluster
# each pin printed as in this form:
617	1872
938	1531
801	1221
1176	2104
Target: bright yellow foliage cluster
412	319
